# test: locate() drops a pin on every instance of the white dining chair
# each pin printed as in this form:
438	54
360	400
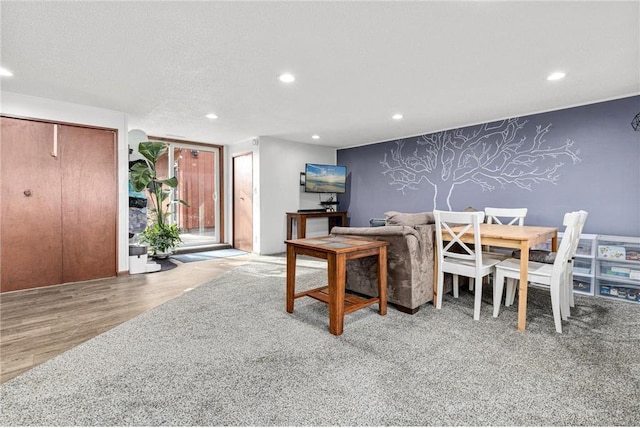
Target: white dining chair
469	262
509	216
548	257
550	276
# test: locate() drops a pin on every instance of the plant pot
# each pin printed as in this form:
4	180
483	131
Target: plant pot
163	254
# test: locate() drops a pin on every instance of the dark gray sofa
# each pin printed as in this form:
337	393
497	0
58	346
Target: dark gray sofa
409	256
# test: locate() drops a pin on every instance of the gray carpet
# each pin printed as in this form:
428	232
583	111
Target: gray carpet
227	353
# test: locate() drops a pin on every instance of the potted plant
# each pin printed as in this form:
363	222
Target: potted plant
161	235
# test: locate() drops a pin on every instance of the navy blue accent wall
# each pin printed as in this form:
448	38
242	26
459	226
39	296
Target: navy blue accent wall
584	157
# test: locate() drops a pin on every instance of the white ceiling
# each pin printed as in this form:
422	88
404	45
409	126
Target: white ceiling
441	64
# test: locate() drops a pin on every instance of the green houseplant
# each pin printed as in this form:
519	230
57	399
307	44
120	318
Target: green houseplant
161	235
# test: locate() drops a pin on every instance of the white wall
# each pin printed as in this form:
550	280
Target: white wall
52	110
281	163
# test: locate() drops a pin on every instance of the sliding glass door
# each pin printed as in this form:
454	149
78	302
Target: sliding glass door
196	168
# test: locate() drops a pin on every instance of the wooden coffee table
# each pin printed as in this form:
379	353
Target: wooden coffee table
337	250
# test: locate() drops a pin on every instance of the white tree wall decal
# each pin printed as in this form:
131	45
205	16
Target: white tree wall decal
489	155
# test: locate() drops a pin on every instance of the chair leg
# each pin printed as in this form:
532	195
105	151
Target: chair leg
565	309
572	303
555	306
478	299
498	287
439	288
511	291
566	294
471	284
455	286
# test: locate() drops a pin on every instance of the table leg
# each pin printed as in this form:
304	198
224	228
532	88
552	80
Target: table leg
336	267
382	280
289	226
523	287
291	277
302	227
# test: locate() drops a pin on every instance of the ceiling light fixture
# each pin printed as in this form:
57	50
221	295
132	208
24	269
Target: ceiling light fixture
397	116
315	136
5	73
212	116
287	77
556	76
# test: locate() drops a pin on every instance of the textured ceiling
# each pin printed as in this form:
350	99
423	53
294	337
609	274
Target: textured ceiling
441	64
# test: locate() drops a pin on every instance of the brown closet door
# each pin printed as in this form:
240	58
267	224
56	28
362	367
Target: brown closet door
89	202
243	202
30	220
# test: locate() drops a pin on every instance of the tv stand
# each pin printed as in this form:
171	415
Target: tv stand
301	220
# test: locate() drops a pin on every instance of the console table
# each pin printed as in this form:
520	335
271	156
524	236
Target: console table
301	220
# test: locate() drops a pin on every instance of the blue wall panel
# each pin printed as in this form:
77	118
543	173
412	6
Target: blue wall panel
584	157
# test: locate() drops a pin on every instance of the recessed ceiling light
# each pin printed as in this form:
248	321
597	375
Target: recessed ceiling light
212	116
556	76
5	73
315	136
287	77
397	116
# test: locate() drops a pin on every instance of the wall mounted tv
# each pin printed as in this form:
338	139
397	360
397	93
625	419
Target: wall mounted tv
325	178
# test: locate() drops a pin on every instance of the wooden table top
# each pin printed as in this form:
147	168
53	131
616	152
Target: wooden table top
337	244
501	233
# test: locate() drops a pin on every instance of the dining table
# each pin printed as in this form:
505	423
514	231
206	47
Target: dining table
510	236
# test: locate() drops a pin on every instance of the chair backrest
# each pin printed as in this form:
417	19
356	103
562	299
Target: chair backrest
467	222
564	253
577	231
515	215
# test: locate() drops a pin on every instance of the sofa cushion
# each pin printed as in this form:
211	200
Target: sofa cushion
395	218
540	256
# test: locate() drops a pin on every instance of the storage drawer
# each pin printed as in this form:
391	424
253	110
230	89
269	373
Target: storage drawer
626	272
582	266
619	291
583	285
585	247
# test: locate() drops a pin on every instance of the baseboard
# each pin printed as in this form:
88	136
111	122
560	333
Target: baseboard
197	249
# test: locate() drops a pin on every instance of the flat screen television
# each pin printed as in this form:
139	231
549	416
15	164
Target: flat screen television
325	178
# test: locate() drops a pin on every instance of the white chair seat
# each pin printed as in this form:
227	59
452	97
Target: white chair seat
535	268
485	269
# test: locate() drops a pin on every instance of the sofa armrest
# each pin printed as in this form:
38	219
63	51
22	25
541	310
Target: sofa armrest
427	233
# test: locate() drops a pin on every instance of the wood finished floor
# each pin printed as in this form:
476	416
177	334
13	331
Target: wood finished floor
38	324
